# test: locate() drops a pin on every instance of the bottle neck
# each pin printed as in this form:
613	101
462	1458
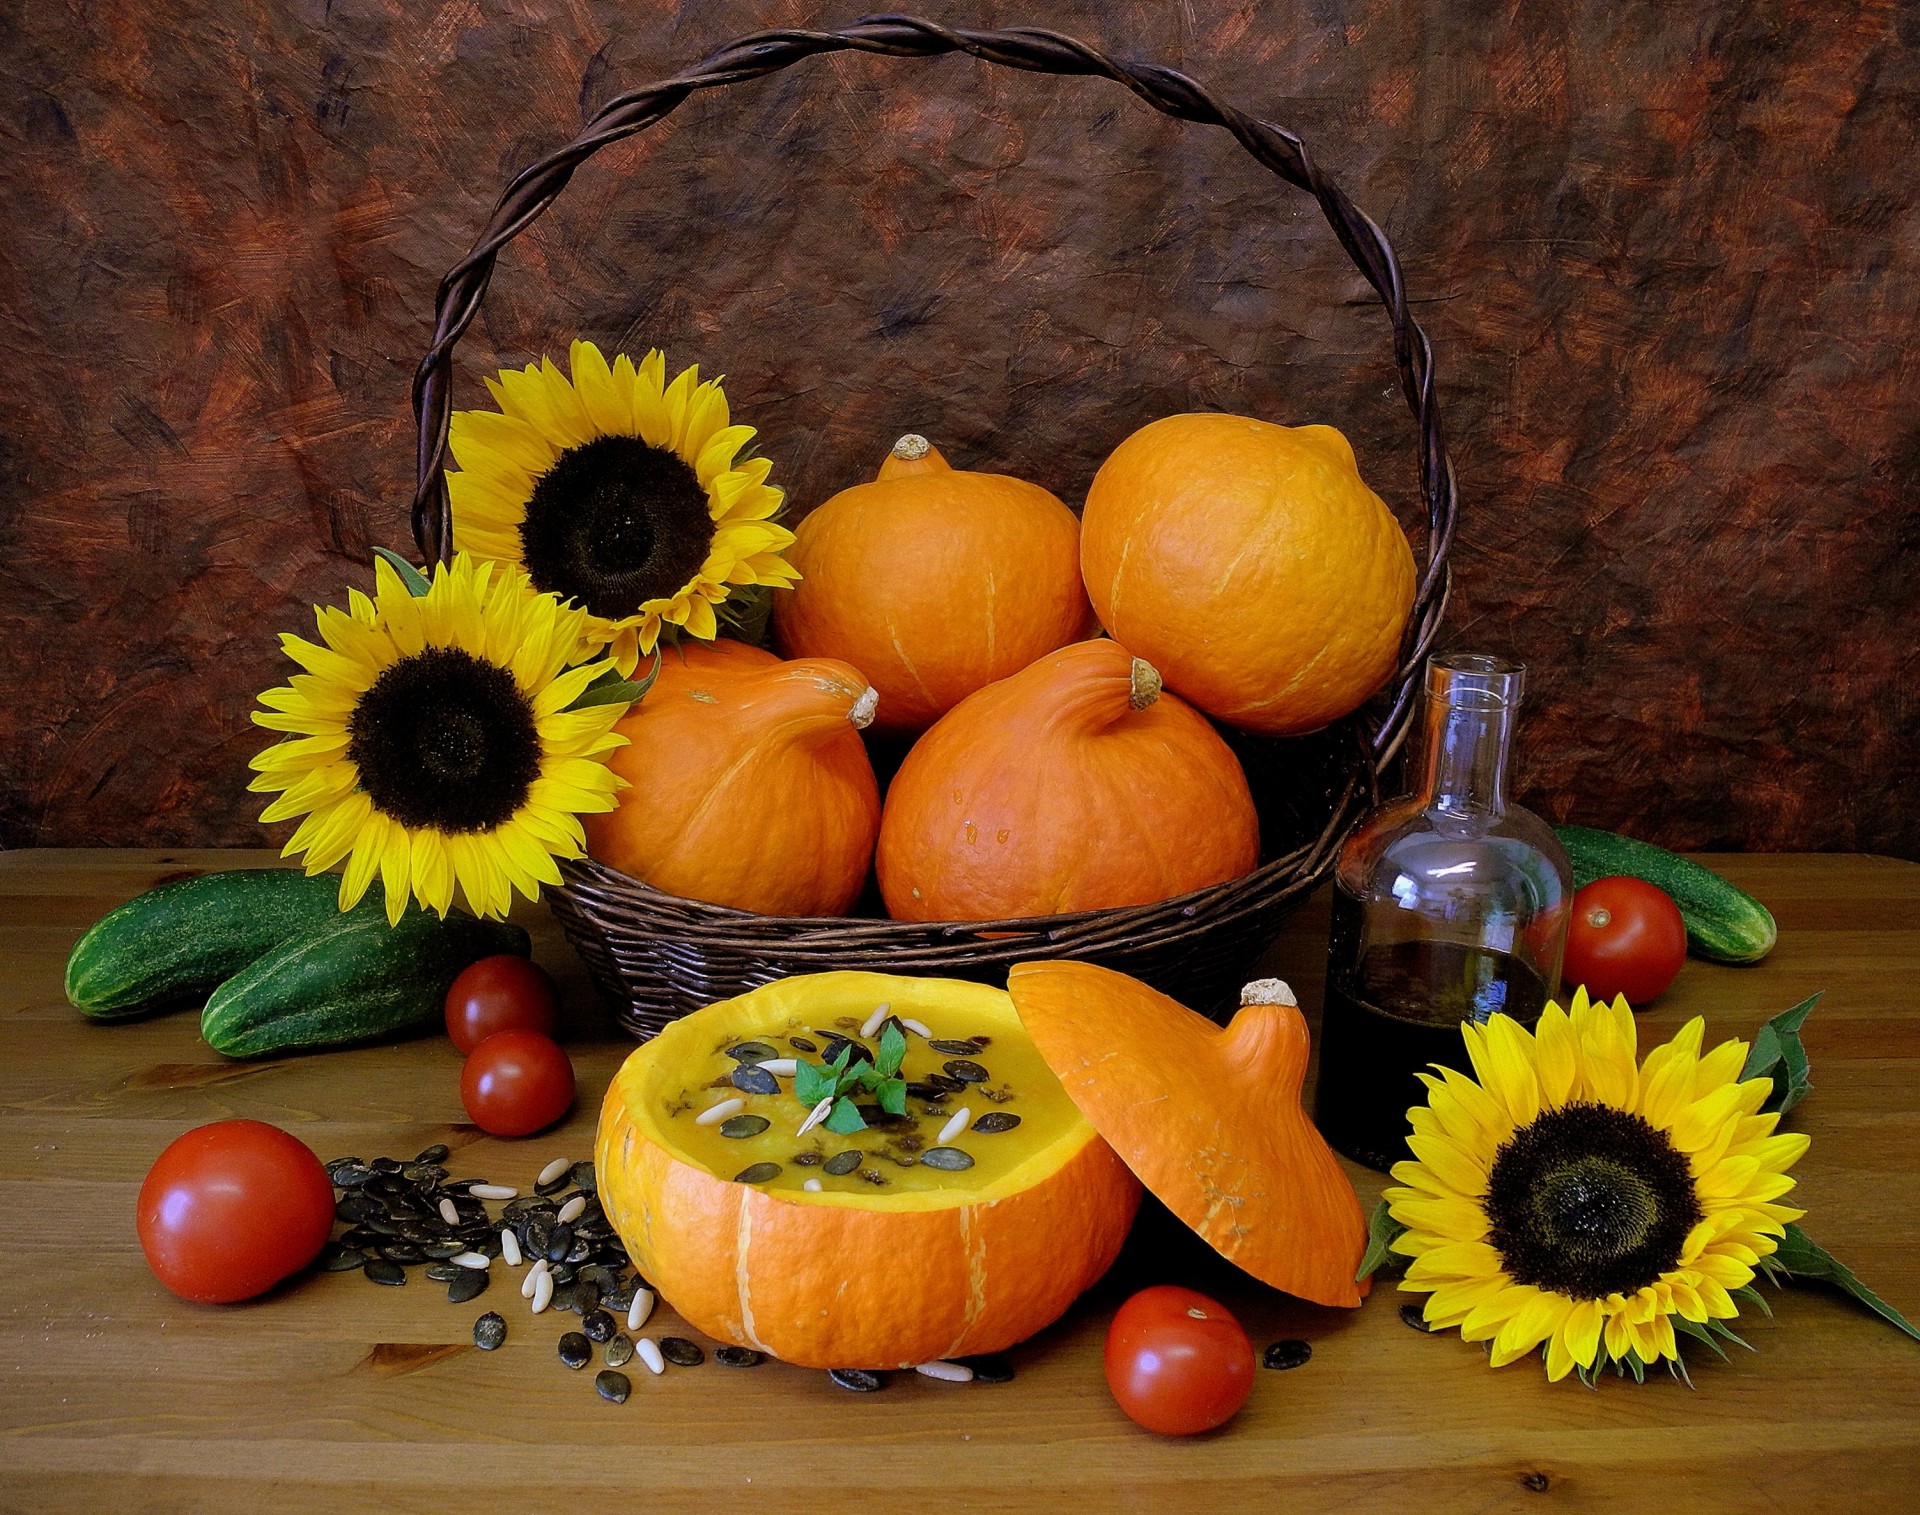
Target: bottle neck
1466	768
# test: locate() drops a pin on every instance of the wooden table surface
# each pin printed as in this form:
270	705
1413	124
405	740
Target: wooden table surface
332	1394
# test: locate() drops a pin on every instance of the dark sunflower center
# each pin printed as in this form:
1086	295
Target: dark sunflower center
1588	1201
615	521
444	739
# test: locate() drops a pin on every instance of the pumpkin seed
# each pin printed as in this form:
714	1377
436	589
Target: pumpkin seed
752	1052
738	1357
578	1297
989	1367
802	1044
384	1270
352	1176
759	1173
843	1163
750	1078
947	1047
1286	1354
471	1284
601	1277
335	1258
947	1159
385	1165
584	1177
445	1273
1414	1315
559	1243
597	1325
575	1350
423	1174
619	1351
489	1331
553	1185
613	1386
994	1122
739	1126
681	1352
967	1071
945	1084
580	1251
440	1251
859	1380
334	1164
930	1092
402	1252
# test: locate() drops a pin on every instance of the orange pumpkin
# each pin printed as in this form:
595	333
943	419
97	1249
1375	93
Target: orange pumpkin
1251	565
749	784
933	582
857	1275
1074	785
1209	1119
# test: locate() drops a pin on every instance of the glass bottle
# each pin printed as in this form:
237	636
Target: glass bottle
1448	904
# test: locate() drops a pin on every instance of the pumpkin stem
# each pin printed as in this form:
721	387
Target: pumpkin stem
1146	686
1268	991
912	454
862	713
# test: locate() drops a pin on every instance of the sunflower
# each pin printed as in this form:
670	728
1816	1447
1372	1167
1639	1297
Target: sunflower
619	492
1570	1198
429	741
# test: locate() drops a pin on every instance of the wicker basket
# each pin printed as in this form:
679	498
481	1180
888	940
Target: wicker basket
657	956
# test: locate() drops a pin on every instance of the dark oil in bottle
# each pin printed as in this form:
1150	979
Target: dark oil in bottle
1392	1011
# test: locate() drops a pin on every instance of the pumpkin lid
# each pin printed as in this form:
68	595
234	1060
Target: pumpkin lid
1207	1117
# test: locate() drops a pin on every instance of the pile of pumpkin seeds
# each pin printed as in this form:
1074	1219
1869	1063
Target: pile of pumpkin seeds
401	1215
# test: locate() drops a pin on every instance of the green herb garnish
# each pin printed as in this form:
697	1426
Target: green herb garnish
813	1082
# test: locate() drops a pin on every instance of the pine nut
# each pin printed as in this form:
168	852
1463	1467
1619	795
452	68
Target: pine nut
648	1351
946	1372
813	1186
570	1211
714	1114
509	1247
542	1291
532	1280
820	1112
474	1260
553	1170
918	1028
493	1191
640	1309
878	1018
447	1213
780	1067
954	1126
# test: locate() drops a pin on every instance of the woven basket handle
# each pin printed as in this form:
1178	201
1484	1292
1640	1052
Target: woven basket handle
535	187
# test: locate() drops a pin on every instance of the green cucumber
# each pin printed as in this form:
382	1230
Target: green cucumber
1723	923
169	947
357	980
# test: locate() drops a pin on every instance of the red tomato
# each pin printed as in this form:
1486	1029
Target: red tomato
1626	937
516	1082
504	993
230	1209
1177	1362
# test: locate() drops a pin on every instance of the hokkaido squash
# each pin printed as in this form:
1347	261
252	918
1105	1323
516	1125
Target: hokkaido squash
887	1265
1250	564
933	581
1208	1118
748	783
1074	785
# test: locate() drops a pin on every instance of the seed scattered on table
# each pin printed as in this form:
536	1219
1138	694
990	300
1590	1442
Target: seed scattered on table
1286	1354
619	1351
649	1353
335	1258
613	1386
382	1270
471	1284
471	1260
681	1352
598	1325
738	1357
1411	1315
946	1372
542	1291
447	1212
859	1380
989	1367
583	1177
573	1209
575	1350
509	1247
489	1331
553	1170
640	1309
493	1191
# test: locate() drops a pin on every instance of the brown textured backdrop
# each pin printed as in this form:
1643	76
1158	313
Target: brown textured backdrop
1668	256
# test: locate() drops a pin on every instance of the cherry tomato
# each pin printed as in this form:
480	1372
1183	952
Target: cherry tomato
229	1210
503	993
1177	1362
516	1082
1626	937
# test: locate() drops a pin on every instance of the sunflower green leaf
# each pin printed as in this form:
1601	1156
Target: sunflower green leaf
1804	1260
611	689
416	581
1382	1229
1778	1054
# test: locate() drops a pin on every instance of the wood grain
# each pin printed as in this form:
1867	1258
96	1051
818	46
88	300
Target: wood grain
1669	273
331	1394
